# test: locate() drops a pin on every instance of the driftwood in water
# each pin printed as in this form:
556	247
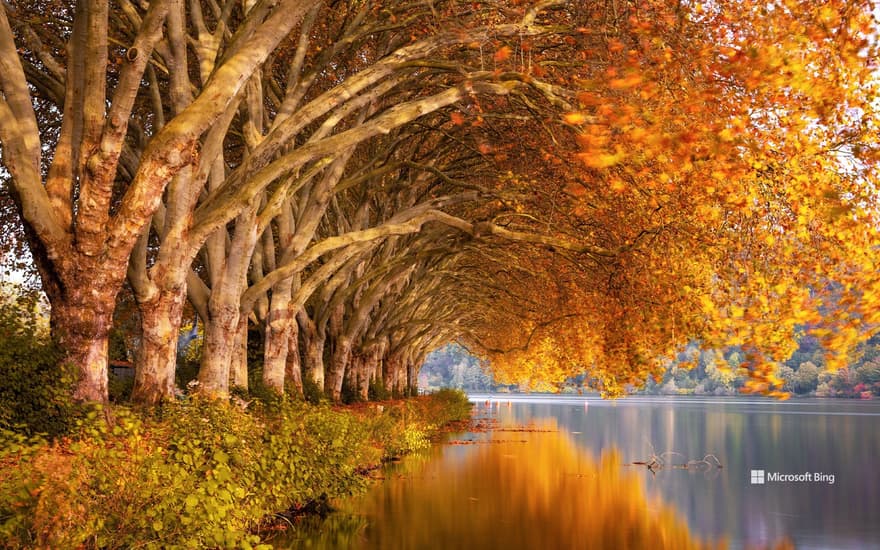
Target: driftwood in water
657	462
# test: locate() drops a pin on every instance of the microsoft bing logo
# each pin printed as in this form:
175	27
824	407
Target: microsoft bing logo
757	477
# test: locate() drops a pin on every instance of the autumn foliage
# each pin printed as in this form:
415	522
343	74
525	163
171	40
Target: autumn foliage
726	155
563	187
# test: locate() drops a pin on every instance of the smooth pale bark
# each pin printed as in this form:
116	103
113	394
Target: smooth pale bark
362	374
390	373
88	259
278	328
238	368
81	323
160	292
80	281
412	381
293	363
354	374
374	365
345	334
218	350
339	363
225	318
157	353
402	225
313	352
314	360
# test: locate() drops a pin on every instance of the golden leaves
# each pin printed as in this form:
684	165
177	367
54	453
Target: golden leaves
502	54
602	160
726	135
711	166
616	46
574	118
625	83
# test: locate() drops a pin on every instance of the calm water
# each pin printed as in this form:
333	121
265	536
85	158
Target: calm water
556	473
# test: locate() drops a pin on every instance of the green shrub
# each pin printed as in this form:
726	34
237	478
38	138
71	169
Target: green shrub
454	403
119	387
349	393
376	390
196	473
312	392
35	396
187	370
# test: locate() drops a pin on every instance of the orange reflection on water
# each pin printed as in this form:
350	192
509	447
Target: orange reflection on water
515	489
522	490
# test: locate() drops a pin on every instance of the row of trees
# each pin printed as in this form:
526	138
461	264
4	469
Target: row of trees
804	373
562	186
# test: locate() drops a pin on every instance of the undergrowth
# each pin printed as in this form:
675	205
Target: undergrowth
198	474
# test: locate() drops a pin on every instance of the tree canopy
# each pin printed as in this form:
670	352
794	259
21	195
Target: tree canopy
565	188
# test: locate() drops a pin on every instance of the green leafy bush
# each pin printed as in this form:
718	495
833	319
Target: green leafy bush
453	403
196	473
349	393
376	390
119	387
312	392
35	393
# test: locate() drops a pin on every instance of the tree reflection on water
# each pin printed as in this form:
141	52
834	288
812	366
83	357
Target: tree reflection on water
508	490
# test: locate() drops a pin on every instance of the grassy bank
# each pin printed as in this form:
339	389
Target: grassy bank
197	474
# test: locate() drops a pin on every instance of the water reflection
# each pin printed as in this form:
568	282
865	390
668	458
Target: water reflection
838	437
511	489
568	487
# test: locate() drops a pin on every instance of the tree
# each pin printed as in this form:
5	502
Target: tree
81	226
733	176
101	196
560	187
806	378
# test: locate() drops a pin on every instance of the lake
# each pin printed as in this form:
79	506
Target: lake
558	472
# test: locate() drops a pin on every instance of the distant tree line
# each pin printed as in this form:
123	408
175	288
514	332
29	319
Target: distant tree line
691	372
711	372
453	367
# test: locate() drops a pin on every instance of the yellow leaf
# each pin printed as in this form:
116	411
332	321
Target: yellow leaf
625	83
726	135
602	160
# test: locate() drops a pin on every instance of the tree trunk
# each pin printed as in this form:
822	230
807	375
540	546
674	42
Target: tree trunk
226	333
293	367
313	367
238	366
362	376
338	365
371	369
389	373
220	345
83	300
81	324
157	355
378	367
412	383
278	328
315	360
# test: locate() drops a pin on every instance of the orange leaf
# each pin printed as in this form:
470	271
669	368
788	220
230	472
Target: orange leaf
615	45
624	83
502	54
